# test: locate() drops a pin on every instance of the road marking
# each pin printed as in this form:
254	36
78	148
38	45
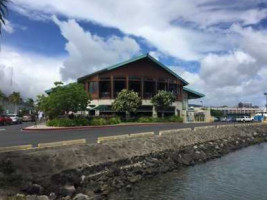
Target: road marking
2	129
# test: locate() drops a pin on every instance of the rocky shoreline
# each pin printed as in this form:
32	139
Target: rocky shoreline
97	181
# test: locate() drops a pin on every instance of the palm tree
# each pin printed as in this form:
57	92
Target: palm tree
3	12
16	99
30	102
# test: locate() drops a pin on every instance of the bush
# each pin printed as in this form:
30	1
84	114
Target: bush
81	121
174	119
99	121
146	119
114	120
66	122
167	119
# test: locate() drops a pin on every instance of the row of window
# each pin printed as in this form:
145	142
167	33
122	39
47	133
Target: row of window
149	87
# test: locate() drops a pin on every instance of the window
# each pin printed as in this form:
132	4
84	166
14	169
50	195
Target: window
93	87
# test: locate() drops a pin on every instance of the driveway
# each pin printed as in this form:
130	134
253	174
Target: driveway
14	135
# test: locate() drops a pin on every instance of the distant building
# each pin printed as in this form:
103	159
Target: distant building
237	111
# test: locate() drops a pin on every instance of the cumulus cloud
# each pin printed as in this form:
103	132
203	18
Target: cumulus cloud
26	73
218	34
88	53
177	28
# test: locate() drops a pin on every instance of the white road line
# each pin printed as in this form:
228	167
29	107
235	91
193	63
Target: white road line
2	129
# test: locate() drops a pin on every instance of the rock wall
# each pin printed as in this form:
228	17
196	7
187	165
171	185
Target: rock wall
97	170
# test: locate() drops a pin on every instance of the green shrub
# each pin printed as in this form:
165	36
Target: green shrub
81	121
174	119
66	122
99	121
146	119
114	120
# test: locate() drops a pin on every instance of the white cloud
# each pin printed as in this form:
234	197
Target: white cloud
26	73
184	29
8	27
88	53
156	20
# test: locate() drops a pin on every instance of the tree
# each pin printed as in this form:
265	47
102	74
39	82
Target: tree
3	12
162	100
1	109
62	99
127	101
2	95
216	113
30	102
16	99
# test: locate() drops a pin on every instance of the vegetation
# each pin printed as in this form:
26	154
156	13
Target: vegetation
1	109
81	121
16	99
155	120
63	99
216	113
3	12
127	101
66	122
162	100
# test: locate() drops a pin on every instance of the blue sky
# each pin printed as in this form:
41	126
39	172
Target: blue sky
217	46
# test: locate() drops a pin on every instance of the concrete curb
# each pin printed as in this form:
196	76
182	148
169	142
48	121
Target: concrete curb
173	131
93	127
203	127
124	137
225	125
62	143
16	148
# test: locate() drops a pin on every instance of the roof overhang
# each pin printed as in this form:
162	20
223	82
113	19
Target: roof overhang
192	94
144	56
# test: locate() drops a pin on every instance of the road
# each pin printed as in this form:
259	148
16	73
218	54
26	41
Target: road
14	135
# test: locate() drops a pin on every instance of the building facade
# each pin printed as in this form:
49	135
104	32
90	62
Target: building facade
144	75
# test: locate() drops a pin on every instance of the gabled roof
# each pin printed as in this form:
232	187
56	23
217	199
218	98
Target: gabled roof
192	94
133	60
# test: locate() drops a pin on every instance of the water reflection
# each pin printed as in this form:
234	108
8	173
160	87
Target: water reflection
239	175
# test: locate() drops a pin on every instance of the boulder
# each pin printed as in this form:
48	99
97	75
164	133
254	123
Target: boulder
81	197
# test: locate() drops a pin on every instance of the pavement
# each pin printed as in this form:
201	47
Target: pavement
13	135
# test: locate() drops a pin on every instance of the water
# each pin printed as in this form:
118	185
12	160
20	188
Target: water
236	176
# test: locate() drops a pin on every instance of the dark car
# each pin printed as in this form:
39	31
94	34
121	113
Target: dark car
4	119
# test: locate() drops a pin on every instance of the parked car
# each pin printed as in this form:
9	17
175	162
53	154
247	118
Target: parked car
244	119
15	118
28	118
5	120
230	119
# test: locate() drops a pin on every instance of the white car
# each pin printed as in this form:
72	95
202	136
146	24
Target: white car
244	119
15	118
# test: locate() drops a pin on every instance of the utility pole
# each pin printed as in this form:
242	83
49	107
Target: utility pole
266	101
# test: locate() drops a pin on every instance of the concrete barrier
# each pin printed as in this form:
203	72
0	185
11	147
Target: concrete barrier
15	148
124	137
173	131
225	125
62	143
142	135
203	127
112	138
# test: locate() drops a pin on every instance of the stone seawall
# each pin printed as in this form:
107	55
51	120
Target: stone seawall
97	170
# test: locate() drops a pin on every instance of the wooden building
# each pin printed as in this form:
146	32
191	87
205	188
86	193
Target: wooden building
144	75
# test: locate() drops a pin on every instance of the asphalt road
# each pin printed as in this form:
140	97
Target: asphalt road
14	135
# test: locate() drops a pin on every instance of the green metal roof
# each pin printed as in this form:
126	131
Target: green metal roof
133	60
192	94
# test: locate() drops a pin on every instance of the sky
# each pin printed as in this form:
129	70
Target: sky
219	47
